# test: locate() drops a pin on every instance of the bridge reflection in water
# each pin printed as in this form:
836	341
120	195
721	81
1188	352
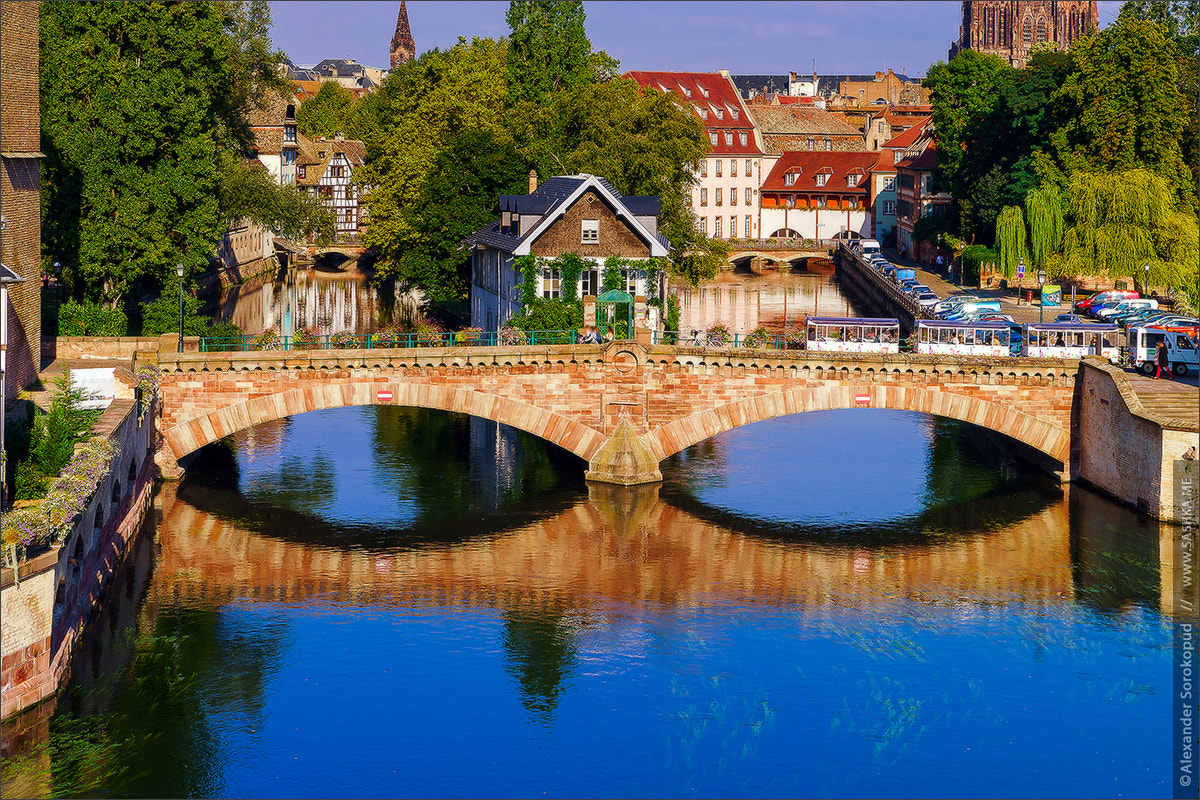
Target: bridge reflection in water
619	545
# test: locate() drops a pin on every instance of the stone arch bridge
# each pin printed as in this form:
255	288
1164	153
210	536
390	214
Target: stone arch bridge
621	407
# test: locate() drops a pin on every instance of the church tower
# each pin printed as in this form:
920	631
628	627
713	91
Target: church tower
1011	28
403	46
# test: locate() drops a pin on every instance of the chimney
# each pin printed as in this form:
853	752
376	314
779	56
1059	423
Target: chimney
532	181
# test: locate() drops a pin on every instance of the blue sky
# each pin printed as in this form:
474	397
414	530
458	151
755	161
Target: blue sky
742	36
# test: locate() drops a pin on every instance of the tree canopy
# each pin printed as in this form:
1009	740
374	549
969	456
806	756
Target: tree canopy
549	50
445	136
144	113
329	112
1123	106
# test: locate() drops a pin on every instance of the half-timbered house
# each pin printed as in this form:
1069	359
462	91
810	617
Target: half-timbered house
330	178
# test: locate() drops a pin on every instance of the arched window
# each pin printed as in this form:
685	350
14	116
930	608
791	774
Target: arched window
1003	28
1041	29
97	522
116	492
1027	30
132	477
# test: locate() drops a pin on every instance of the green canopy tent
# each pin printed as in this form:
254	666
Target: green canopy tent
614	309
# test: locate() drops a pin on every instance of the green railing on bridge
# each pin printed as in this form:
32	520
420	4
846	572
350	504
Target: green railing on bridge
386	340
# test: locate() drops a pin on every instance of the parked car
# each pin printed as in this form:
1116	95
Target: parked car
889	271
926	299
1067	318
953	302
1124	308
1110	296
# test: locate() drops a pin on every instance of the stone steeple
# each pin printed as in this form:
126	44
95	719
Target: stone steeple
403	46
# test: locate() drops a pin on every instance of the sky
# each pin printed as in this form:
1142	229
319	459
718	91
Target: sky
746	37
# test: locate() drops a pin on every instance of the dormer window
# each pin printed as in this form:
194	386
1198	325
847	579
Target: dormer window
822	179
590	233
687	92
712	137
733	114
852	180
720	114
505	220
703	91
728	139
742	138
790	179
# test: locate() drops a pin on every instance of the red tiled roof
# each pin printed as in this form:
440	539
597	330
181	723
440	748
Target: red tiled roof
806	166
926	160
802	121
722	110
910	136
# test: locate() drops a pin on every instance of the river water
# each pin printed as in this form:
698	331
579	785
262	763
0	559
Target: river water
381	602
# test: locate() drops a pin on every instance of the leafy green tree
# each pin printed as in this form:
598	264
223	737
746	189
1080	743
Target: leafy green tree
1125	108
407	125
253	67
1044	213
250	192
1180	20
965	94
56	433
329	112
161	315
140	103
1121	222
456	200
549	51
1011	239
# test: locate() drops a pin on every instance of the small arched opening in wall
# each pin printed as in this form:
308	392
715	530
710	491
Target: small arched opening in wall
97	524
131	477
116	492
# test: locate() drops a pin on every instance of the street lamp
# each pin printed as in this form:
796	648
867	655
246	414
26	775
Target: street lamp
179	272
1146	283
1041	276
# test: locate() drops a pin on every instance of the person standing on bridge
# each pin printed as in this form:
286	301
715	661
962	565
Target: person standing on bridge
1163	359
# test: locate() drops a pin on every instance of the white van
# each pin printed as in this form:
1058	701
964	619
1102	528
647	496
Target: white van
1181	348
869	247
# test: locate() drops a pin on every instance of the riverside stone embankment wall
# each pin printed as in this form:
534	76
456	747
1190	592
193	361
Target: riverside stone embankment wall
43	615
1127	451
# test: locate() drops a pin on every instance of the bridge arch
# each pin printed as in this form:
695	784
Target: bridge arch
190	435
1044	436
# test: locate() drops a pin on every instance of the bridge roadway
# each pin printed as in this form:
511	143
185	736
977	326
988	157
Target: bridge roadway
622	407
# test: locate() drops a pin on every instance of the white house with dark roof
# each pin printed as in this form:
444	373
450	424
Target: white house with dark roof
581	214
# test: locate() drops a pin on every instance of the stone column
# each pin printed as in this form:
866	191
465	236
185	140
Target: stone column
589	309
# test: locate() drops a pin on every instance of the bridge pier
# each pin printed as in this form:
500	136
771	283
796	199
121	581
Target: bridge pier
625	459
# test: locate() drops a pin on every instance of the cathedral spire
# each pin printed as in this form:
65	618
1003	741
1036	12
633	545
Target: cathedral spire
403	46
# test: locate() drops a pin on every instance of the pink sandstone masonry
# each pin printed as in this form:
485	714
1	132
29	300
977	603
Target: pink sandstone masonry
575	396
44	614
